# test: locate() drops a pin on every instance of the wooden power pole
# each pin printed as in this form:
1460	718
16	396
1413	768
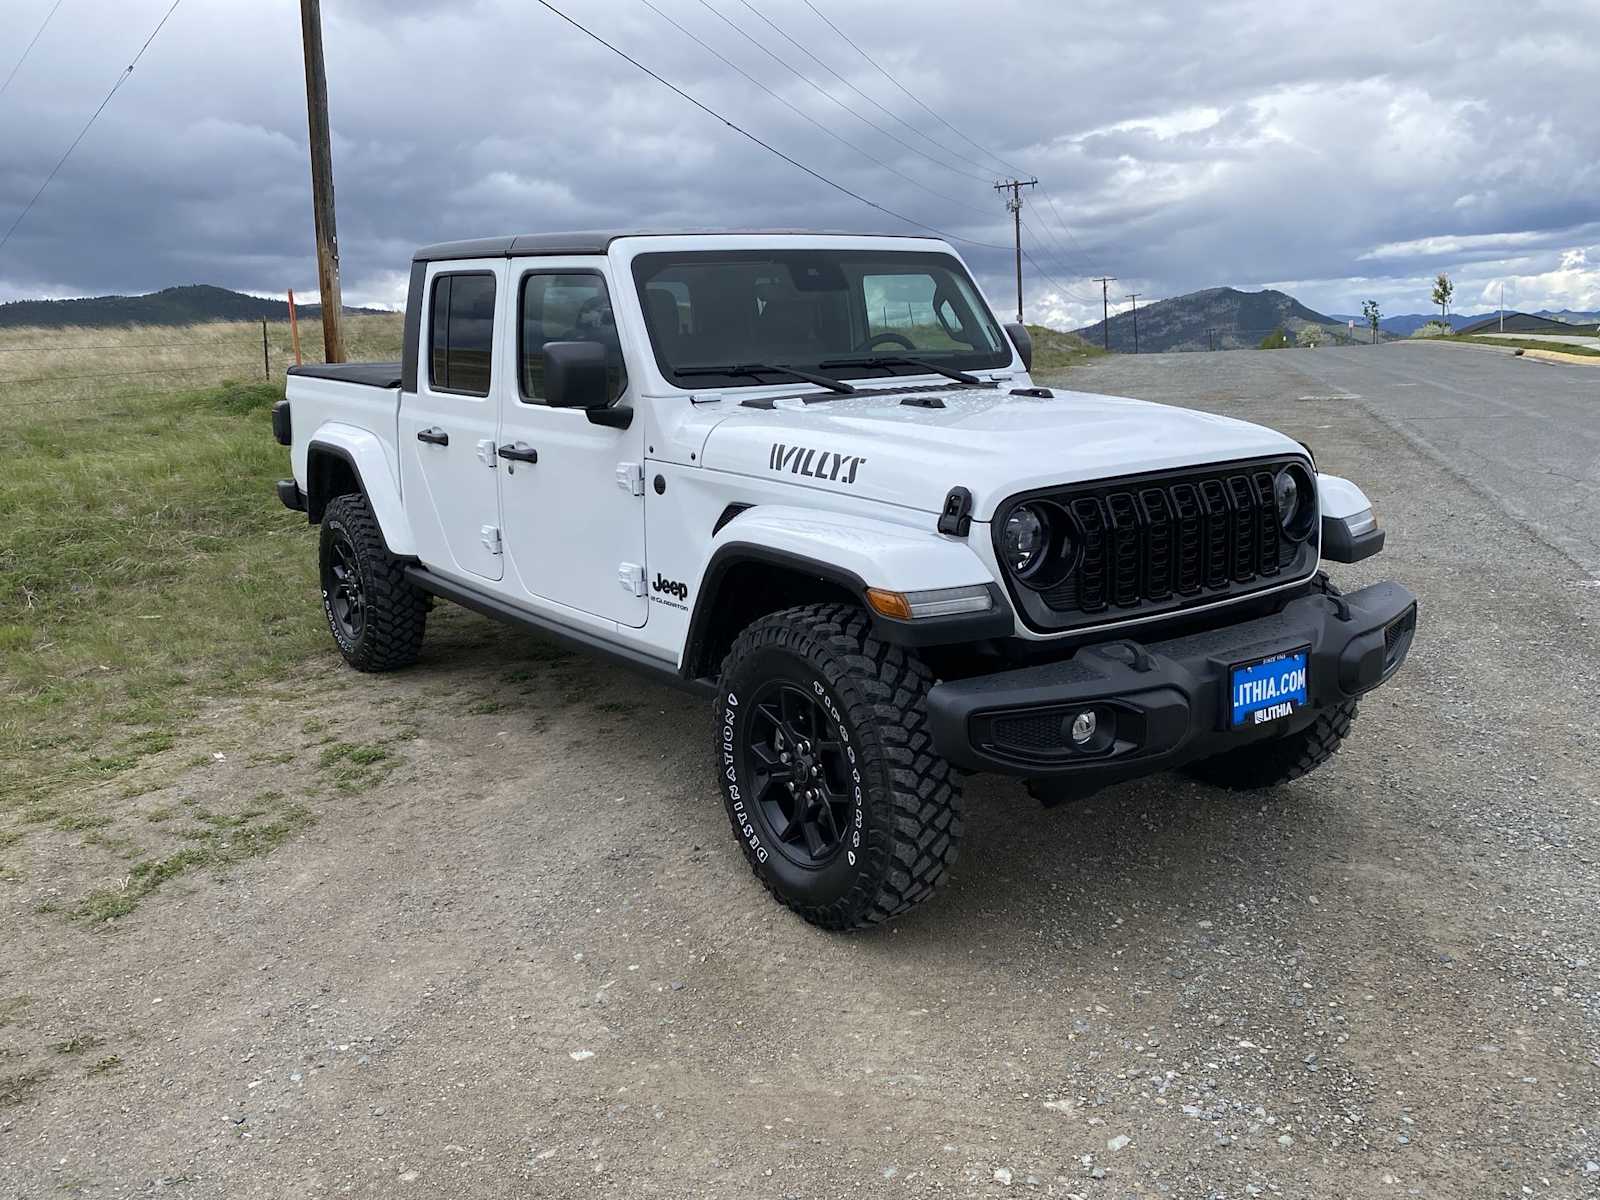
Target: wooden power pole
1134	296
322	182
1105	308
1015	186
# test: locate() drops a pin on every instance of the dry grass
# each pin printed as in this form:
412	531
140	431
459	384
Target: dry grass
145	567
71	364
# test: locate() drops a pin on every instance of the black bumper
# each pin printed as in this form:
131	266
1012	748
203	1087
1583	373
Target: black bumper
1162	704
291	495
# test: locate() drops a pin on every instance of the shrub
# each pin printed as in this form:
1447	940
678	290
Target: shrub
1278	339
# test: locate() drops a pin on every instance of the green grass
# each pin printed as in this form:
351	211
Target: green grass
146	570
1527	344
1057	351
144	564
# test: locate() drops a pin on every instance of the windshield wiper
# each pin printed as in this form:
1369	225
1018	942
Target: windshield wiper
757	369
897	360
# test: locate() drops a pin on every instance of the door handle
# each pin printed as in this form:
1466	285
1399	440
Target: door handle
519	453
434	437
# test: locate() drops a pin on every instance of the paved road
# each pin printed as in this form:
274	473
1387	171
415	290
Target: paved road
1522	431
531	961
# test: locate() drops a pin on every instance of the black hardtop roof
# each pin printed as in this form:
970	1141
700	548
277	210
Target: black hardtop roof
595	242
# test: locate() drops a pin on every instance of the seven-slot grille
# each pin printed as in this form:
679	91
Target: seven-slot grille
1165	542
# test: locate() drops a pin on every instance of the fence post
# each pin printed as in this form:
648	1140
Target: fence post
294	329
266	359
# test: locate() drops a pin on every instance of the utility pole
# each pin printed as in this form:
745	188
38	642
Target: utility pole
322	182
1502	306
1105	308
1014	204
1134	296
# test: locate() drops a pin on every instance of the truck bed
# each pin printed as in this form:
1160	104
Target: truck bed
369	374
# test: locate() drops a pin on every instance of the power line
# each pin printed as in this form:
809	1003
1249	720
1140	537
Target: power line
799	112
890	113
768	147
1009	166
981	149
1076	296
121	79
831	98
29	49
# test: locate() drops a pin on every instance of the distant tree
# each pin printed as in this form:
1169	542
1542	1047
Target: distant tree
1443	290
1278	339
1309	337
1369	310
1432	329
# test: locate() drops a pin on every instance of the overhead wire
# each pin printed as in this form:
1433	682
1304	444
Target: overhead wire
767	146
27	50
796	109
121	79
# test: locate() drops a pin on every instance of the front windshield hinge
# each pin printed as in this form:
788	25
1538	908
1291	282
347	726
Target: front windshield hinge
705	399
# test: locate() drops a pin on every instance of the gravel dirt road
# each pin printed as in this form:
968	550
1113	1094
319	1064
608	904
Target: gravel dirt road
529	959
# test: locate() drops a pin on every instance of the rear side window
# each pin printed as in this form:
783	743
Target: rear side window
462	333
566	306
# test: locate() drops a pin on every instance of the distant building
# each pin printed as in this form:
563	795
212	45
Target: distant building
1518	322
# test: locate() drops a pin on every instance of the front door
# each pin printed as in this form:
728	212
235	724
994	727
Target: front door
574	519
449	471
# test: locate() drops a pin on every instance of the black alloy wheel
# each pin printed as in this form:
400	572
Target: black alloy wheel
801	776
347	599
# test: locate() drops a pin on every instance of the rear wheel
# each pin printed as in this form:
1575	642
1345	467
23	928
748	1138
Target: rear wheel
376	617
828	772
1271	763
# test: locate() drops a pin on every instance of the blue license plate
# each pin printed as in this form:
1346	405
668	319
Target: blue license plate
1268	689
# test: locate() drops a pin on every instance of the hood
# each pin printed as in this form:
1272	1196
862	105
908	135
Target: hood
991	443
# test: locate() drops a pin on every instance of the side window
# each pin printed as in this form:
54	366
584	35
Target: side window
565	307
911	310
461	333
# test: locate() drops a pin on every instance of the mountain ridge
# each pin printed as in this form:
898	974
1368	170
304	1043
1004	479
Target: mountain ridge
185	305
1212	318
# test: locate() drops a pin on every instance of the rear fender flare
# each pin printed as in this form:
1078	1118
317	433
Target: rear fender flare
367	457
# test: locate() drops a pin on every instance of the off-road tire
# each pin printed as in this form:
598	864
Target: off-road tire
1271	763
396	613
908	798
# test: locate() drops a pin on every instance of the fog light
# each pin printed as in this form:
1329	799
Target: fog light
1083	727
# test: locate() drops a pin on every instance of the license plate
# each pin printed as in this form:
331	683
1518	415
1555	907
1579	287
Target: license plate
1267	689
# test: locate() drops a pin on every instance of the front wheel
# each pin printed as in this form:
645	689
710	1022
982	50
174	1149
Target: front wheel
828	772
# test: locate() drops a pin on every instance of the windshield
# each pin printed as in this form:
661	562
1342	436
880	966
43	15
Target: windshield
712	314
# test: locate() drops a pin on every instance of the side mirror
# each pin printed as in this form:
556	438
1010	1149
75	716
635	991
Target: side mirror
1023	341
575	375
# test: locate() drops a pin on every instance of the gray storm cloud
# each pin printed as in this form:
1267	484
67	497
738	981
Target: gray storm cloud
1341	154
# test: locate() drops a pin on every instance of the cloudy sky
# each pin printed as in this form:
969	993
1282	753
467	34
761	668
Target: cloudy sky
1337	151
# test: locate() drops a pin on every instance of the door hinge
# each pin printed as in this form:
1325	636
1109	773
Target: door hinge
630	478
486	452
490	536
631	577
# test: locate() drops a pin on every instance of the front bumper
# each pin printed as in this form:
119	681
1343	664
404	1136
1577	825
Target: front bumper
1166	703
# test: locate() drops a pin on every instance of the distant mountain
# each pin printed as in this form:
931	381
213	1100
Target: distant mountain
1409	323
1222	318
170	306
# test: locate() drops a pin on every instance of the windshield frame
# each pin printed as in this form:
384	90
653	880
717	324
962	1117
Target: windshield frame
646	267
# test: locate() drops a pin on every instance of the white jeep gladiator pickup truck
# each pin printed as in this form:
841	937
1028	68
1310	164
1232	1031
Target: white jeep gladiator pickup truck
809	476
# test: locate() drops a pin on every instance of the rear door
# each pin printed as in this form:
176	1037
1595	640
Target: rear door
447	431
574	520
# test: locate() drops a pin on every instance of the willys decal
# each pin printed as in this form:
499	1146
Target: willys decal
815	464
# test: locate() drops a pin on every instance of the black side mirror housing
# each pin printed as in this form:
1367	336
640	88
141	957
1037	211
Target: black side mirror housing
575	375
1023	341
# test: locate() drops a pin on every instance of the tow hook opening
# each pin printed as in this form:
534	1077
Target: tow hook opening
1397	636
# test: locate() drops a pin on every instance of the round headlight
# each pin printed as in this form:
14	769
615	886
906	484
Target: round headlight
1023	541
1297	501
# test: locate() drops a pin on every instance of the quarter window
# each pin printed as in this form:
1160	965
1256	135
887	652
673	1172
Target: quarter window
566	307
462	346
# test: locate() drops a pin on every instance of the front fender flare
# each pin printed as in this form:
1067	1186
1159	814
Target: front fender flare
1350	530
853	553
367	456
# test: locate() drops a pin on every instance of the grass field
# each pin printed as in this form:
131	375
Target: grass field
149	579
145	567
1530	344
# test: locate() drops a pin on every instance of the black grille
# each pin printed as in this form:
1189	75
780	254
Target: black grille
1166	542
